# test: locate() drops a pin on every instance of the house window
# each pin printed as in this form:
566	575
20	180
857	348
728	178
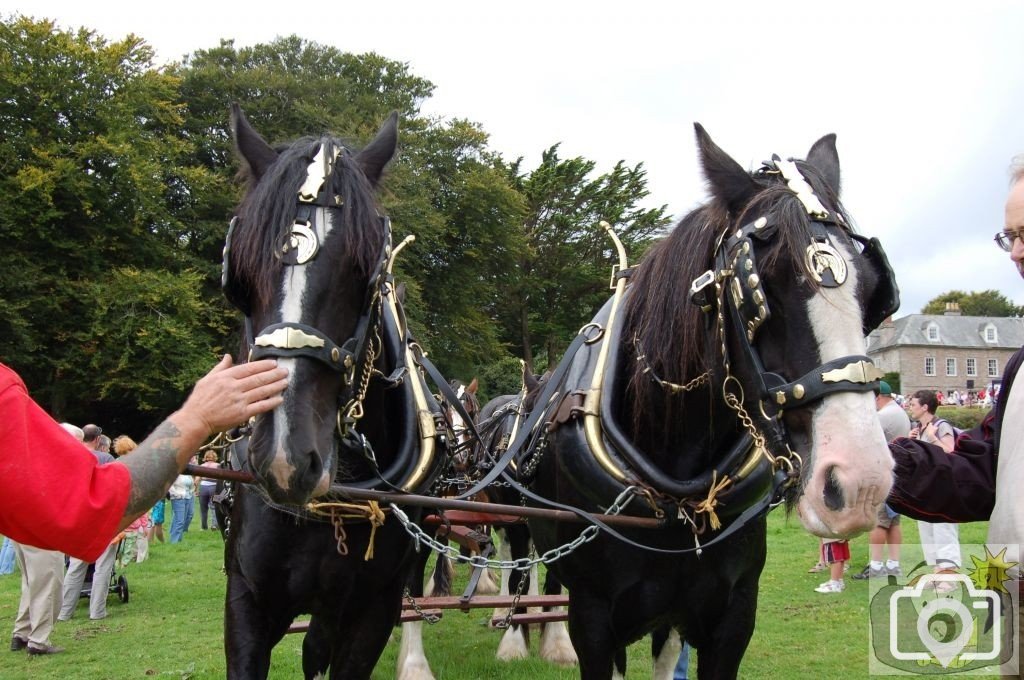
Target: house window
972	368
950	366
990	334
993	368
933	332
929	365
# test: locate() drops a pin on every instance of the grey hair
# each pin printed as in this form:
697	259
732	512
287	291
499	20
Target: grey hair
1017	169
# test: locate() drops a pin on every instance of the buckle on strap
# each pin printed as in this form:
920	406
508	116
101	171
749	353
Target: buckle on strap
699	293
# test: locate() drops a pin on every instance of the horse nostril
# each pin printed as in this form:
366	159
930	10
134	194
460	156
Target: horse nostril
316	467
833	493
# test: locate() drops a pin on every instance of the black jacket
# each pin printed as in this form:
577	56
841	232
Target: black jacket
936	486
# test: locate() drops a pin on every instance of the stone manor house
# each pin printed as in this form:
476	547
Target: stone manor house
946	352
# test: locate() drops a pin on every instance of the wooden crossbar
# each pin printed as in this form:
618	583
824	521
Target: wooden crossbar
406	617
533	618
491	601
472	519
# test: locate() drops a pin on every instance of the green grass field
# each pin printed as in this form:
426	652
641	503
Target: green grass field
172	624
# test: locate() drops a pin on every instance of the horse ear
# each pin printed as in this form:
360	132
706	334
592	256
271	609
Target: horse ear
473	385
728	181
377	153
250	146
825	159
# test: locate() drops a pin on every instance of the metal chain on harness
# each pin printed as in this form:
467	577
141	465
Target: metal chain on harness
503	625
672	387
522	564
424	616
349	416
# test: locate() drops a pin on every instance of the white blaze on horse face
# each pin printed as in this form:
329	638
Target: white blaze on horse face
293	293
458	424
848	446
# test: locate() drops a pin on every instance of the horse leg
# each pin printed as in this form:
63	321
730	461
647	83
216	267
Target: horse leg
504	555
316	650
515	643
591	632
665	649
364	636
250	630
488	583
555	645
412	661
441	578
728	632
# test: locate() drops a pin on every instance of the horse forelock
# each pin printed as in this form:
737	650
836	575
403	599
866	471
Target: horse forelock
268	210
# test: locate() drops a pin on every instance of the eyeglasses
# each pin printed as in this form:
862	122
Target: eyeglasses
1005	239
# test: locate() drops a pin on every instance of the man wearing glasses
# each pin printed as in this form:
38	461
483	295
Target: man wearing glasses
982	477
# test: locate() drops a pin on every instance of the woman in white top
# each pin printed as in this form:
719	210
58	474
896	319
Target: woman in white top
183	493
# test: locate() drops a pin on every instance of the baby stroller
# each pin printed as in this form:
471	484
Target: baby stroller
118	582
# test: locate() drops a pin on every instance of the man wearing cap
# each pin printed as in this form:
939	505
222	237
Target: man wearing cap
895	423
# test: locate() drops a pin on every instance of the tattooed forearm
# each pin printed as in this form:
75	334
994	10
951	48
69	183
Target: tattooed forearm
153	467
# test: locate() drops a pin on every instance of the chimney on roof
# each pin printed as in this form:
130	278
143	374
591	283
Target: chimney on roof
886	331
952	309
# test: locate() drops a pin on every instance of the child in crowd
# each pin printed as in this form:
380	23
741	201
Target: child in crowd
835	553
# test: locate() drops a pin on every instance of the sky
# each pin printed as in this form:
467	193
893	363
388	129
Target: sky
926	97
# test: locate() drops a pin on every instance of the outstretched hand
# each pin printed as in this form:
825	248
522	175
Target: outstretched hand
229	395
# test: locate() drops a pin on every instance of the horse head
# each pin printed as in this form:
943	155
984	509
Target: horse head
778	328
304	261
804	292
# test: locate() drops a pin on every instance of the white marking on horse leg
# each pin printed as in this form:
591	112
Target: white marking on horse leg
616	675
665	664
513	645
504	555
412	662
488	583
555	645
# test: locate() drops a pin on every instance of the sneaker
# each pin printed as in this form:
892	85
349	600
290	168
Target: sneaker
39	650
870	572
894	571
820	566
831	587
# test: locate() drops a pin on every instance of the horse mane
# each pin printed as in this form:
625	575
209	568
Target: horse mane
662	323
268	209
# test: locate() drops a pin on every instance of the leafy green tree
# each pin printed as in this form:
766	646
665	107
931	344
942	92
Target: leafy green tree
562	273
95	175
151	335
983	303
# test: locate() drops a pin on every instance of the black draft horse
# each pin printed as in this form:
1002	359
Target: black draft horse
732	373
307	261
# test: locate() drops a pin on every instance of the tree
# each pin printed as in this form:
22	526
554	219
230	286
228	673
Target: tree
561	274
984	303
96	174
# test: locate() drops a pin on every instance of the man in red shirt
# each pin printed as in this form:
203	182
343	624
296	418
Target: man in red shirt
54	494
